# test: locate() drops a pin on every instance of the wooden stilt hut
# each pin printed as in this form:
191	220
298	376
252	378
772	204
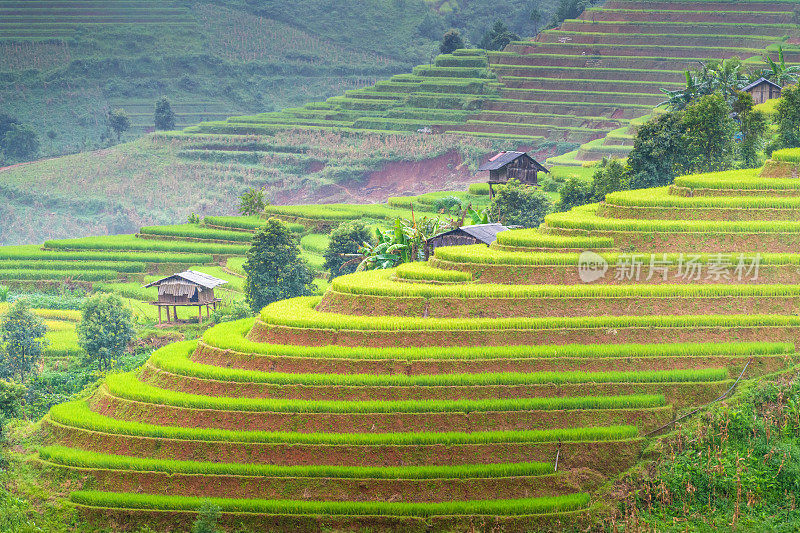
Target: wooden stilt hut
186	289
512	165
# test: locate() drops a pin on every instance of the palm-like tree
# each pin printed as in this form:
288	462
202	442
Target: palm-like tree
779	72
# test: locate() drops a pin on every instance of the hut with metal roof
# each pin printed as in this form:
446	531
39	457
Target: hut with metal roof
186	289
762	90
512	165
474	234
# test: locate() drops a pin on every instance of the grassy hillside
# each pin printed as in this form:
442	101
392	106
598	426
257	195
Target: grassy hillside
450	390
65	63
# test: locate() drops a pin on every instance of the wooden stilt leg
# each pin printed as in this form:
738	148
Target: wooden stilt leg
159	315
175	312
200	314
168	319
208	311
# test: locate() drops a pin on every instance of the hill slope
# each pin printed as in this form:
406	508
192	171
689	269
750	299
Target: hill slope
65	63
586	83
442	396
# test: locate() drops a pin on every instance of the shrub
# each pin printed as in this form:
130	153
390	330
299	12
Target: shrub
21	340
3	293
164	118
345	242
252	202
208	516
451	41
787	116
573	193
105	329
274	268
519	205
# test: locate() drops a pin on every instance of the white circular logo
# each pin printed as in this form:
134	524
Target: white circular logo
591	267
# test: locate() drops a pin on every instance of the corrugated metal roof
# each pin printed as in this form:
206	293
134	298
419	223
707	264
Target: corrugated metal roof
759	81
503	158
486	233
198	278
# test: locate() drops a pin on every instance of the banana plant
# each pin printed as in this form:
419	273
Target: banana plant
779	72
478	217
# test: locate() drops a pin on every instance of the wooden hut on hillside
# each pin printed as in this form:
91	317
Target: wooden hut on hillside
762	90
512	165
186	289
474	234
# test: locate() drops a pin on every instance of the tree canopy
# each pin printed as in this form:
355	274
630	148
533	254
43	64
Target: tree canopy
274	268
21	341
164	117
105	329
451	41
520	205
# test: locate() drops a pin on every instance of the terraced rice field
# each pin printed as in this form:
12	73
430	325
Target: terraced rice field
489	387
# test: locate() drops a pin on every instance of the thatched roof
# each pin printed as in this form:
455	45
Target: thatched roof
188	278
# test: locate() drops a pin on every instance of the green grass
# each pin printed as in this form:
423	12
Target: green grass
533	238
300	313
529	506
77	414
315	242
176	359
588	219
380	283
425	272
195	231
660	197
791	155
129	387
249	223
46	274
34	253
735	179
130	242
481	255
115	266
82	459
231	336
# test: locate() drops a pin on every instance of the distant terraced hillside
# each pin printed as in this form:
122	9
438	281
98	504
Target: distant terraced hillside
574	84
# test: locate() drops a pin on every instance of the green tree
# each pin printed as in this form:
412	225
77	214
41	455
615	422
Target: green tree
568	9
20	143
207	521
451	41
753	127
119	122
787	116
345	242
498	37
658	151
105	329
252	202
708	135
11	398
164	117
610	177
573	193
536	17
274	268
520	205
21	341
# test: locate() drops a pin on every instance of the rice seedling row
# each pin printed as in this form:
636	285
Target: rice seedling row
381	283
127	386
478	507
233	336
300	313
84	459
176	359
77	414
130	242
